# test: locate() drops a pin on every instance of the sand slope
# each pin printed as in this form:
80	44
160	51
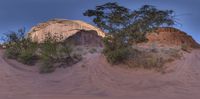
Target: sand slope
94	78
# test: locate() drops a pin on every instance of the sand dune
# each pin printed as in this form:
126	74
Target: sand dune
94	78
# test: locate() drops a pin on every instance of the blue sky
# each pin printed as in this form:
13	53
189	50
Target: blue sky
15	14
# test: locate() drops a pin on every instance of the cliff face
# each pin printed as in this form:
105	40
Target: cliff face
60	27
88	38
172	36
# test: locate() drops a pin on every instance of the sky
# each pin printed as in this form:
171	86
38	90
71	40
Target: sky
15	14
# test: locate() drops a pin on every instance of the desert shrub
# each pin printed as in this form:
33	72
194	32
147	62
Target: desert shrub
13	50
145	59
117	56
47	67
28	52
28	57
12	53
50	52
55	54
115	50
185	47
153	62
55	51
64	50
24	51
174	53
20	48
47	54
48	49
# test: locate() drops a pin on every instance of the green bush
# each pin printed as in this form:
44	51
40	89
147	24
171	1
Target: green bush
52	53
20	48
48	50
12	53
47	67
115	50
153	62
47	54
64	50
27	57
23	51
118	55
28	54
13	50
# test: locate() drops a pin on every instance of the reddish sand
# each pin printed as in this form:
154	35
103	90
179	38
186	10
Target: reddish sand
94	78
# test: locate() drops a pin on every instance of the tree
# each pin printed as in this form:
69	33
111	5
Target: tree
126	27
13	36
147	19
113	18
109	17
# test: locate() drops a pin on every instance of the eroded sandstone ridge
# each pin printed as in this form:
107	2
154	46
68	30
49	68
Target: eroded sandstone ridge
172	36
60	27
68	28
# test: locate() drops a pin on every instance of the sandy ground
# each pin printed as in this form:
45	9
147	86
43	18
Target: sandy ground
94	78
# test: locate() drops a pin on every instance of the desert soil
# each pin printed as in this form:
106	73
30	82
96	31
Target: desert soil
94	78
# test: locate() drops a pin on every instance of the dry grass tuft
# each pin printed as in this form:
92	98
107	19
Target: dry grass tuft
156	59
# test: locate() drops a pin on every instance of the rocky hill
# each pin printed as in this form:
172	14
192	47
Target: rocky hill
67	28
60	27
172	36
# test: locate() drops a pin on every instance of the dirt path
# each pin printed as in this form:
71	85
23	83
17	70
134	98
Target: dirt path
94	78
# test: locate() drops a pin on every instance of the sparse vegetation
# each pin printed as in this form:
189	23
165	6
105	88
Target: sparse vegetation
56	54
11	53
127	28
28	57
145	60
185	47
117	56
20	48
115	52
47	67
150	60
51	53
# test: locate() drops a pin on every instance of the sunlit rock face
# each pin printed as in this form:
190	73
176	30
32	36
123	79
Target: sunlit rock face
172	36
63	29
60	29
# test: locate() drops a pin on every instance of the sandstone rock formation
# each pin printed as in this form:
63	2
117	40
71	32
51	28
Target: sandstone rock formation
60	27
68	28
83	37
172	36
